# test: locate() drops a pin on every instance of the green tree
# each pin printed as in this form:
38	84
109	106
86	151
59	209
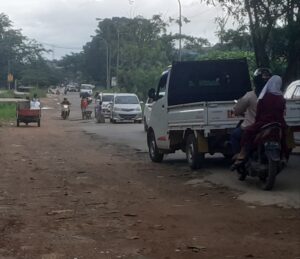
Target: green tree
135	51
262	17
23	57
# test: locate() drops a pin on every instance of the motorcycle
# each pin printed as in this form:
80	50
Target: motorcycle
264	160
65	111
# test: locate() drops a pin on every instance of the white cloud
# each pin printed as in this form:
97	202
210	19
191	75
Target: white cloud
70	23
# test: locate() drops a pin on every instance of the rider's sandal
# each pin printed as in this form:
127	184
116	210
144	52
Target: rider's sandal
238	162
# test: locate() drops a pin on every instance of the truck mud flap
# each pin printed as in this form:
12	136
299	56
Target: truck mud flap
202	143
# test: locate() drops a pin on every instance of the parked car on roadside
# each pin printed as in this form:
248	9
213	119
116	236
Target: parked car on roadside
107	99
126	107
71	88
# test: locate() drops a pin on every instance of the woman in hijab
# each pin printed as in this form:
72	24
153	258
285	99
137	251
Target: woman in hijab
270	108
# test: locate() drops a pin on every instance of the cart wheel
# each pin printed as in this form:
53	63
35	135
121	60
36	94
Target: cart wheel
18	123
39	123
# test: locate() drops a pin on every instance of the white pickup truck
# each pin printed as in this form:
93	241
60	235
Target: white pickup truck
195	114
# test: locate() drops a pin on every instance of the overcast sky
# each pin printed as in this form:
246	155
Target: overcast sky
68	24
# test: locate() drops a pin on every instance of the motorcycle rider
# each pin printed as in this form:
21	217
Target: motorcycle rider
246	106
66	102
270	108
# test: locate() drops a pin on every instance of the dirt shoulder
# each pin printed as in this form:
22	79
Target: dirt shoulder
66	194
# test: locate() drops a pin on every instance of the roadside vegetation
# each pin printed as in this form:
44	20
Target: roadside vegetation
7	94
7	111
41	93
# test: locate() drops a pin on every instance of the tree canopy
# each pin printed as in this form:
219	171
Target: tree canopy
264	19
23	57
130	53
134	51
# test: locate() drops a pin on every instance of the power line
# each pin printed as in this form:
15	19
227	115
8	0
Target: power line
60	47
54	47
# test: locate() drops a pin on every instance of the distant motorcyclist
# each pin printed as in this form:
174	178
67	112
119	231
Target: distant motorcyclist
66	102
246	106
84	103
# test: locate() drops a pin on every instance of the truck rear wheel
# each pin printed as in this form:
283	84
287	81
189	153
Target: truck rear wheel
193	157
154	153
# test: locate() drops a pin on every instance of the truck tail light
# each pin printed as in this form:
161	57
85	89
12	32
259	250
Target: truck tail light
230	114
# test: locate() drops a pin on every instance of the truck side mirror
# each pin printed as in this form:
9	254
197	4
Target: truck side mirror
151	93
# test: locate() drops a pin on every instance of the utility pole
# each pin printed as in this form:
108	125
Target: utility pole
180	25
107	58
107	64
9	73
118	55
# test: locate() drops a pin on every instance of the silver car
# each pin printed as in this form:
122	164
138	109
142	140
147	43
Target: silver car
126	108
107	100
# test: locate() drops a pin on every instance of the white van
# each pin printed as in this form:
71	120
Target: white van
126	107
107	99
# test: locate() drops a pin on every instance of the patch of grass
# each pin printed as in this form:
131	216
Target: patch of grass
7	111
41	93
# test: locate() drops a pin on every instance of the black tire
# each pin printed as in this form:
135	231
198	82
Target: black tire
39	123
269	181
193	156
64	116
154	153
18	123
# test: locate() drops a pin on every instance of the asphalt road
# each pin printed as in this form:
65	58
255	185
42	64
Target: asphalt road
216	170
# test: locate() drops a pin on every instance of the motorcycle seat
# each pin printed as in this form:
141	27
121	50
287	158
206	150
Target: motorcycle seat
271	125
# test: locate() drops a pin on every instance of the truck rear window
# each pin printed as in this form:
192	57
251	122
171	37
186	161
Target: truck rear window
210	80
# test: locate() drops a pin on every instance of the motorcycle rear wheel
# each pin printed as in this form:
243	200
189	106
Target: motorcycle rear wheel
270	179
